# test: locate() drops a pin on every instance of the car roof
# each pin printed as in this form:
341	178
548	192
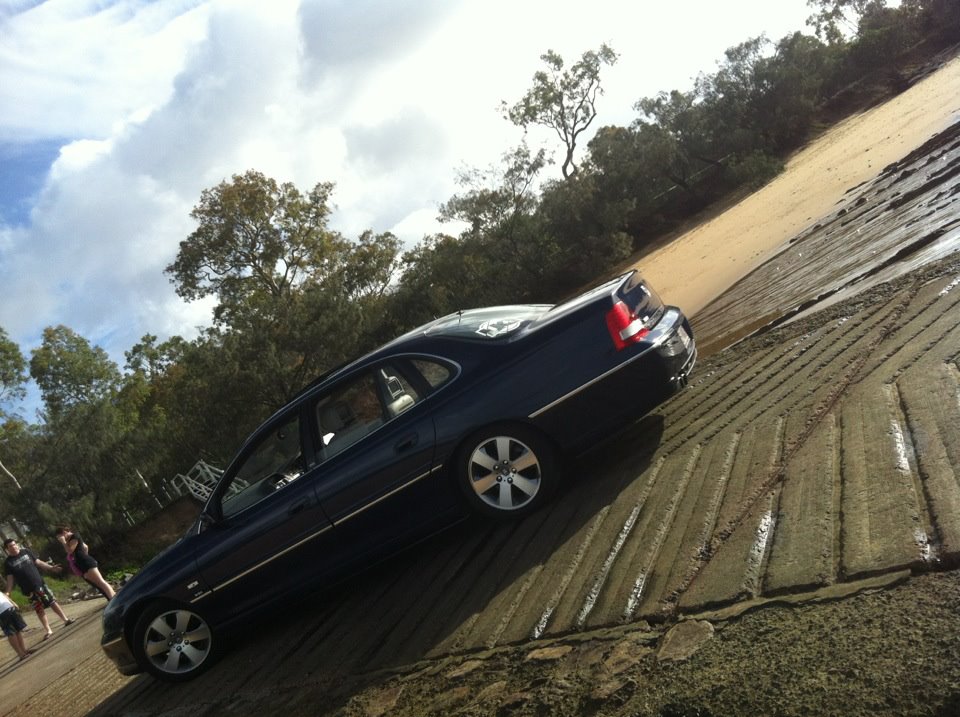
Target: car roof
480	325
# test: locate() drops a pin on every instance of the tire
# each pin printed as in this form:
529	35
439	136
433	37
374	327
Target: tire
507	471
173	643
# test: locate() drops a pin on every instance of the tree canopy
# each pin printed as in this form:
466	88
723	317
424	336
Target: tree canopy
13	369
563	100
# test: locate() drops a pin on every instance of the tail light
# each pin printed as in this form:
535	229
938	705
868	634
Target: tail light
624	327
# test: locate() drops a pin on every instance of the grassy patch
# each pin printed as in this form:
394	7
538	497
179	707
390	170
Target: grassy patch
61	587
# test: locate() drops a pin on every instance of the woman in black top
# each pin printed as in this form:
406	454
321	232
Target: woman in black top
81	562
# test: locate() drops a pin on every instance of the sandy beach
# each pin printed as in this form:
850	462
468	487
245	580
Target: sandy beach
701	264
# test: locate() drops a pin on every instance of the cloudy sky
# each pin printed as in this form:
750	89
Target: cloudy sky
117	113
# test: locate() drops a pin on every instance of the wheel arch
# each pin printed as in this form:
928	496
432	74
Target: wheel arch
525	424
528	431
157	605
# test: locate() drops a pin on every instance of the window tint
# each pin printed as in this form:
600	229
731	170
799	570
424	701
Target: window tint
275	461
436	374
360	405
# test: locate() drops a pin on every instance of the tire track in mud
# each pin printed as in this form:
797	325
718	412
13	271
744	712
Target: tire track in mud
908	313
779	472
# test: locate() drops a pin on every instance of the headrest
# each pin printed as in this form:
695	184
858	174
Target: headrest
333	417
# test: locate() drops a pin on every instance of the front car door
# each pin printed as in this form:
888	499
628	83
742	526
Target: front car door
268	525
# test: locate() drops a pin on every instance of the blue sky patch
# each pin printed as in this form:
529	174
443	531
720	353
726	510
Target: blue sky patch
23	167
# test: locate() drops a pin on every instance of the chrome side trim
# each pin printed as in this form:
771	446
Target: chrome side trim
592	381
383	497
310	537
658	335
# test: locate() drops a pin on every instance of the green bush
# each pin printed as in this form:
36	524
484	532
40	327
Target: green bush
61	587
754	170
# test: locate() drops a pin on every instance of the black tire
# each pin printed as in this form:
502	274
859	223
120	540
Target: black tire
174	643
507	471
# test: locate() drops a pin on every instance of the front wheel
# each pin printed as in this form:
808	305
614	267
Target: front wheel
173	643
507	471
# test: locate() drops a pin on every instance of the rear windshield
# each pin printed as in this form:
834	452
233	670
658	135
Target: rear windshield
495	322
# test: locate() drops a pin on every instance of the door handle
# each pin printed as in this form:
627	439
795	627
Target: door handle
406	443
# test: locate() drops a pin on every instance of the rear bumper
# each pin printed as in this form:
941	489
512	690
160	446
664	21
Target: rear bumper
676	347
681	376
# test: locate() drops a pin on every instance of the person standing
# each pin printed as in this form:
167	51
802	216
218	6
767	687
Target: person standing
22	566
81	562
13	626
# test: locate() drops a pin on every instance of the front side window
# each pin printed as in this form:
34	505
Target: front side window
272	463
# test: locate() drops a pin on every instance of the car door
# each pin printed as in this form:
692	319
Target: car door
379	485
268	527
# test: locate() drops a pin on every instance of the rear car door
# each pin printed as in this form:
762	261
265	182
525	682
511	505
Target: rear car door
377	437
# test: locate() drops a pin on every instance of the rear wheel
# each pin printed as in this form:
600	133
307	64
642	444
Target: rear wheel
507	471
173	643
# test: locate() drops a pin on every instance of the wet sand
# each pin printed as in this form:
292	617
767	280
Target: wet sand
701	264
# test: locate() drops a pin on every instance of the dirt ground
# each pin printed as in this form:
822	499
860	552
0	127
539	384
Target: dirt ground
887	651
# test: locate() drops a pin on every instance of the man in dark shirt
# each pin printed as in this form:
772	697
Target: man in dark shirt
21	566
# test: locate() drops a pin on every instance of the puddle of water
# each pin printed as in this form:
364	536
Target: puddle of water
635	595
759	549
900	446
950	287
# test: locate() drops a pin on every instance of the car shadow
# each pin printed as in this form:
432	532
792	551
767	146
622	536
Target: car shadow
432	599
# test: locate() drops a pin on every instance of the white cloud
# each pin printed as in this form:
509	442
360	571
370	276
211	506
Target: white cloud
70	68
156	101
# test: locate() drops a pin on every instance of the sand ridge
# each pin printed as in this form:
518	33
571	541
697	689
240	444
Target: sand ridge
701	264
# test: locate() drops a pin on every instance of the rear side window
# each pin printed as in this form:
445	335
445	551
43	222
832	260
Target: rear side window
358	405
351	411
434	373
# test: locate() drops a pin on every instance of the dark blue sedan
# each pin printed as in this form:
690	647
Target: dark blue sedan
472	412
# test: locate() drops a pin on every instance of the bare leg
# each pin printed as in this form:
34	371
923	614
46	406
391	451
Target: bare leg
16	642
42	615
55	606
94	577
